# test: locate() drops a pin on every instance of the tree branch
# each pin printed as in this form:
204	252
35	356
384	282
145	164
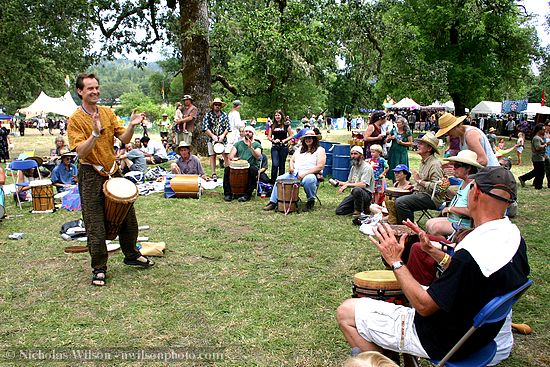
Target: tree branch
230	87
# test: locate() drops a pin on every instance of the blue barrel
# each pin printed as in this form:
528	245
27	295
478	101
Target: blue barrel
327	170
341	162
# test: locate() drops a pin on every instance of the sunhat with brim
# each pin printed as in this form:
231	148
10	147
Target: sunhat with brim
183	144
431	140
217	100
68	153
492	130
38	160
187	96
310	134
465	156
357	149
447	122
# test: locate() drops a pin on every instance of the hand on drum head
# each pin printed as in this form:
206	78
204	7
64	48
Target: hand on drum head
425	242
387	244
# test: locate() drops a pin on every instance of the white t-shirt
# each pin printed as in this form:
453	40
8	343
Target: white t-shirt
156	149
235	123
306	161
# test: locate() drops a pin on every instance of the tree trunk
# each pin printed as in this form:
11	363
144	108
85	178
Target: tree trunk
195	49
460	109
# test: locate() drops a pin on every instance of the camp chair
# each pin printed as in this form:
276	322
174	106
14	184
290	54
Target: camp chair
495	310
426	212
21	165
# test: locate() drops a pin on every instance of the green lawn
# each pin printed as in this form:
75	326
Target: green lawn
260	287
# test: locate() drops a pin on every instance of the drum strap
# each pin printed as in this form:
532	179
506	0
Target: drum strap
294	188
101	170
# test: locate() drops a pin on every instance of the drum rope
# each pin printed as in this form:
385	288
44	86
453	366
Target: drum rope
285	209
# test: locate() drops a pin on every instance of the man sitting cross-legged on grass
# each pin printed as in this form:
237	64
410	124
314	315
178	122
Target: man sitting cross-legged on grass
490	261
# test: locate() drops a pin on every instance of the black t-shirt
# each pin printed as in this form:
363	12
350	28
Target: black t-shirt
461	292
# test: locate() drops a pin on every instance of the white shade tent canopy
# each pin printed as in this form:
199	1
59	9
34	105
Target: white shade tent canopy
44	104
534	108
487	107
406	103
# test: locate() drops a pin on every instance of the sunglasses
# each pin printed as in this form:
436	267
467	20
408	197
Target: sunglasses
459	165
308	137
217	104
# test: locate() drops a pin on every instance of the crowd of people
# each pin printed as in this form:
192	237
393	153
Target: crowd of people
488	260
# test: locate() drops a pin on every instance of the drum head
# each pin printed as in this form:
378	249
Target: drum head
219	148
121	188
376	279
394	191
288	181
44	182
239	164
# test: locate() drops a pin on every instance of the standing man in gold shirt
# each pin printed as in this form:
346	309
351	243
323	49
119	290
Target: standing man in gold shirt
91	131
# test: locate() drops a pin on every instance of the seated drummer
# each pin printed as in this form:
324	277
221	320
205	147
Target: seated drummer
490	261
64	175
427	182
249	150
305	164
361	182
26	176
464	164
187	163
402	176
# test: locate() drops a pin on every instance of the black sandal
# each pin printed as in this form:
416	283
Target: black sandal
99	275
135	262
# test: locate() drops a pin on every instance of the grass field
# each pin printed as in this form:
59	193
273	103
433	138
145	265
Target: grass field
259	287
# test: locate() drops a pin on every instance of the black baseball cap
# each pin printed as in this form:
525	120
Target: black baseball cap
490	178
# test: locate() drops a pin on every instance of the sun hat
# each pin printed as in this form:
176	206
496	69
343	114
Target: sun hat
377	147
401	167
164	115
187	96
447	122
431	140
38	160
68	153
465	156
492	129
497	177
357	149
236	102
182	144
217	100
310	133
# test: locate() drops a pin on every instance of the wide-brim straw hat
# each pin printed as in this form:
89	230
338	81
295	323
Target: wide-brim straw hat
38	160
309	134
217	100
465	156
68	153
431	140
447	122
182	144
492	129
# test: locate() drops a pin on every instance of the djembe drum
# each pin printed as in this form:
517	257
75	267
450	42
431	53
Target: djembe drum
186	186
392	193
378	284
238	176
287	194
120	195
42	196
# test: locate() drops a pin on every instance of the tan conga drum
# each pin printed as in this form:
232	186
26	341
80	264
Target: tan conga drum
186	186
238	176
378	284
120	195
287	194
42	196
391	194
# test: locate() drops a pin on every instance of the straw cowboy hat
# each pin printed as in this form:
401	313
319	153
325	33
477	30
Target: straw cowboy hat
492	130
447	122
310	133
182	144
187	96
217	100
68	153
431	140
465	156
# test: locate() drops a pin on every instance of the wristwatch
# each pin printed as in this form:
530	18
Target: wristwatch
94	134
397	264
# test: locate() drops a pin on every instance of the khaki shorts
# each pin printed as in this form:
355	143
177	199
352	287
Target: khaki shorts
389	326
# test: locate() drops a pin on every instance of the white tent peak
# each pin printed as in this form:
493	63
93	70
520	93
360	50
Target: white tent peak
406	103
44	104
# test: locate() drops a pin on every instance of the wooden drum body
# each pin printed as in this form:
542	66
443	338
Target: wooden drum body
238	177
42	196
391	194
186	186
120	195
378	284
287	194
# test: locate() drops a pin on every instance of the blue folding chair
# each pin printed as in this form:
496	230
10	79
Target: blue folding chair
21	165
496	310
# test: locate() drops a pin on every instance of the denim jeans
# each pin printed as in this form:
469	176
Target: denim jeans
309	183
279	152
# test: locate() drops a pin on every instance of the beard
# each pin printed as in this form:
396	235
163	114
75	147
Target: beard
356	162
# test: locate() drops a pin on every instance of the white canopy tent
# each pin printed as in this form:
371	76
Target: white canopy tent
534	108
406	103
436	105
487	107
44	104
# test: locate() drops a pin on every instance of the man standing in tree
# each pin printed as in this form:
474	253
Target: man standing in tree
91	131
